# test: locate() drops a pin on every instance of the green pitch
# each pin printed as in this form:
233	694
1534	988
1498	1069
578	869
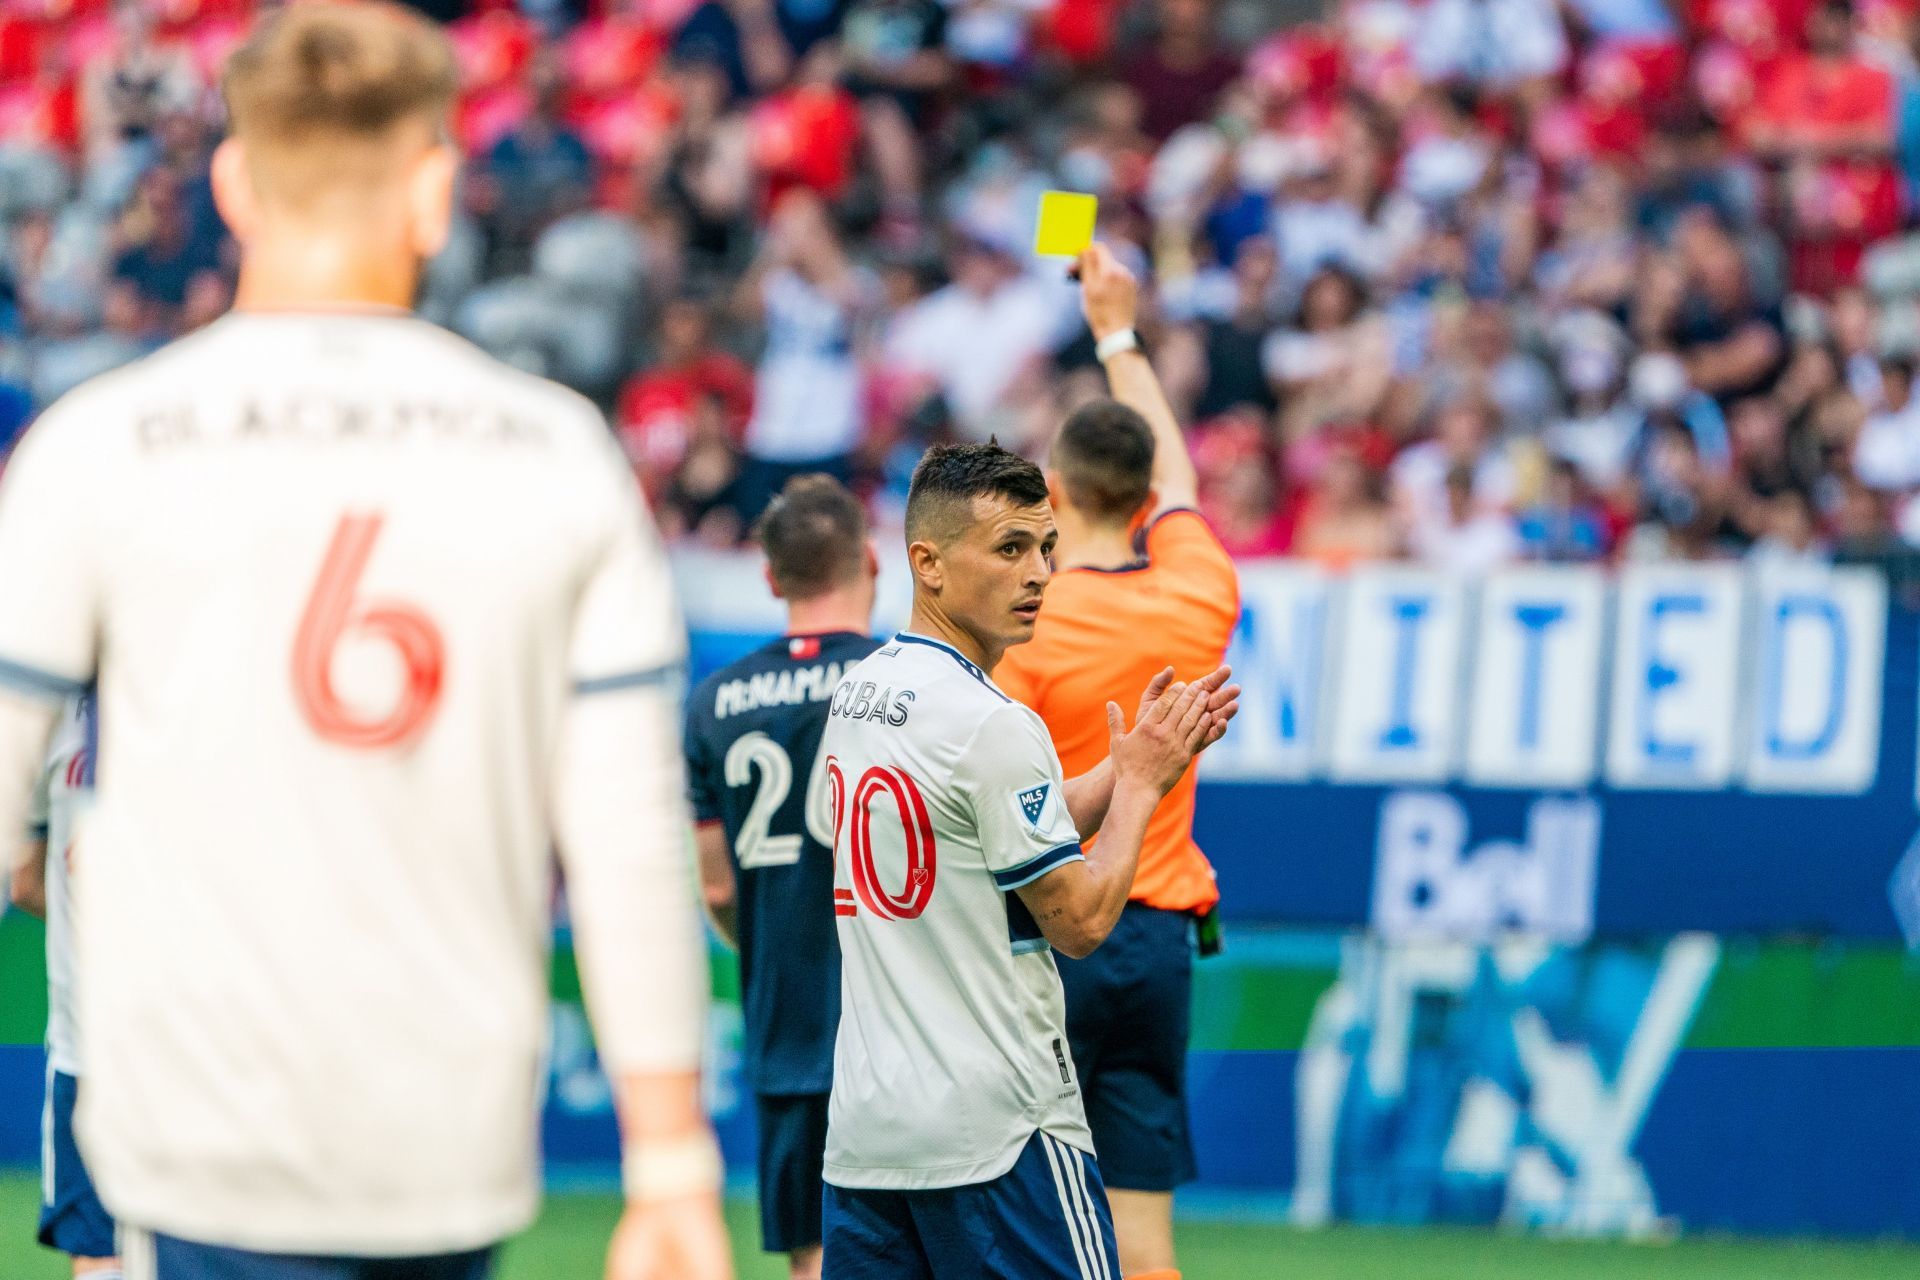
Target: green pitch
568	1241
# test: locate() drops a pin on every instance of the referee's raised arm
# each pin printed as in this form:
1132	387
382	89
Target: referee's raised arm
1110	299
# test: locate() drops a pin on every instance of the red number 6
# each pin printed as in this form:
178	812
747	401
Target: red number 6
330	615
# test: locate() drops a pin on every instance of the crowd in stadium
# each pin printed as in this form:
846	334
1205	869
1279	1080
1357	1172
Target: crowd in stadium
1457	281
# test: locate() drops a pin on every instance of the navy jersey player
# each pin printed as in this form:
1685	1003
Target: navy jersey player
753	745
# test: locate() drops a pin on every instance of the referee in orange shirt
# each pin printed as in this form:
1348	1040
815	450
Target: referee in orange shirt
1134	561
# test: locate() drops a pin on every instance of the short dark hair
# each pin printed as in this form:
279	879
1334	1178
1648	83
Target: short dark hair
1104	457
951	476
814	533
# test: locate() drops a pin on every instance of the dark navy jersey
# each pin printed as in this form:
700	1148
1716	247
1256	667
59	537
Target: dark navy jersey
753	746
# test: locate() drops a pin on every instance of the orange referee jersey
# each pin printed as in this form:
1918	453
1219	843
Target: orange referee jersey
1101	636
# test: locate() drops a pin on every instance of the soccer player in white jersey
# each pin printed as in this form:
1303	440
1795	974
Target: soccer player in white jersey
72	1218
377	622
957	1145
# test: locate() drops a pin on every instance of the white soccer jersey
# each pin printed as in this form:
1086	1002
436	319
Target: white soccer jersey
377	621
57	801
952	1048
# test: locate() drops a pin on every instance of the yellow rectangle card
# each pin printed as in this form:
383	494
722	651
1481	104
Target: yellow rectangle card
1066	224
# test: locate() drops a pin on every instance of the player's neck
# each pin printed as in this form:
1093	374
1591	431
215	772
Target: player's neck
928	621
835	611
284	272
1085	545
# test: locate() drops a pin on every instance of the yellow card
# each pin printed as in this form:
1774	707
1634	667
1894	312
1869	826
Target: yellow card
1066	224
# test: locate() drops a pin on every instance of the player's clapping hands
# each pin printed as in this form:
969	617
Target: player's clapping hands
1175	723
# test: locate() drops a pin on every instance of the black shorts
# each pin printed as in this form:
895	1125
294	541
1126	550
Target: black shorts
1129	1011
793	1145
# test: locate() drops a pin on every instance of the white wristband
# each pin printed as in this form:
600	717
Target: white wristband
668	1170
1114	343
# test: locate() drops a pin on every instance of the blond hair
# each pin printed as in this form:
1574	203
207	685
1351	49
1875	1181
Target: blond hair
324	93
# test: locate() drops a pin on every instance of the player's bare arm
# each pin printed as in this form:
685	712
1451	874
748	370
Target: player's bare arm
717	886
672	1226
27	887
1089	795
622	846
1110	299
26	726
1077	906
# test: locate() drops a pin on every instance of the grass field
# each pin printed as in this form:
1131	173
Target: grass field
567	1242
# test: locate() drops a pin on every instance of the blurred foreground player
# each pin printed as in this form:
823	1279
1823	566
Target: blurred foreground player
72	1218
376	622
765	836
957	1147
1115	463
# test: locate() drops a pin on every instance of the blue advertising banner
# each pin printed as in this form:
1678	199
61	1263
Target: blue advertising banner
1681	747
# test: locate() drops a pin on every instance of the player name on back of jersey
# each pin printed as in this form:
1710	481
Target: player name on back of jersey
327	417
788	687
867	700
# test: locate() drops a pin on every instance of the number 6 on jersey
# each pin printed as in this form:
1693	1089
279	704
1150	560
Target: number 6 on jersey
330	616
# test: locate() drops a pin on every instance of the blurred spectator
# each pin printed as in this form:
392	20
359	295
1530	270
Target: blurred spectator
1463	535
1225	348
897	65
1239	486
1768	461
745	39
538	172
1682	170
1790	535
1828	116
166	252
1497	42
1887	455
708	182
1598	432
1566	525
1344	520
125	95
687	378
1182	70
70	353
1486	364
981	340
816	307
1681	507
1333	366
805	136
1669	402
1463	441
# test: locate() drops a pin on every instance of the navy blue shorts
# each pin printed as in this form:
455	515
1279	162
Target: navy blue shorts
72	1219
793	1144
1044	1219
1129	1012
158	1257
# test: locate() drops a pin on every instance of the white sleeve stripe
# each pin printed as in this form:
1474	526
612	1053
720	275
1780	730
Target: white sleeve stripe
22	678
1033	868
646	678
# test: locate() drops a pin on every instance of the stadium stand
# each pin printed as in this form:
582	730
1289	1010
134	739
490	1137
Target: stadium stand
1462	283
